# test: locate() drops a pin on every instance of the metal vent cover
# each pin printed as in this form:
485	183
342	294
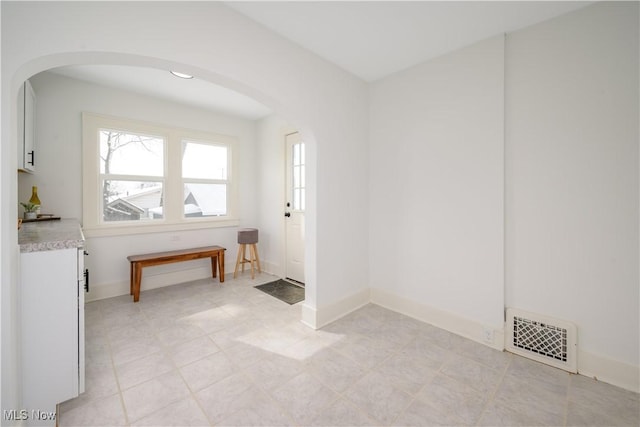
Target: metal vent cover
541	338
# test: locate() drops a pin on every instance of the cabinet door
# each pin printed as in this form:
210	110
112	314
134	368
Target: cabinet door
49	303
81	290
27	128
20	113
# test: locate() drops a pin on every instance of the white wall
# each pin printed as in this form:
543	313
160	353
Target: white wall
436	189
572	180
209	40
60	103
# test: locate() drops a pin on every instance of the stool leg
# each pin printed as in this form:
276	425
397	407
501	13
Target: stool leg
244	256
239	257
252	256
255	250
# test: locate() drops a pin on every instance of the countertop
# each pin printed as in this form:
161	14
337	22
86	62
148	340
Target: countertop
50	235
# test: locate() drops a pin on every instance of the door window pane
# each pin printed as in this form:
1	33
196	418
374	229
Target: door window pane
297	181
296	154
296	199
298	177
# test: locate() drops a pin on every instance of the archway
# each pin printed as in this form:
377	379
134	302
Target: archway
59	60
9	198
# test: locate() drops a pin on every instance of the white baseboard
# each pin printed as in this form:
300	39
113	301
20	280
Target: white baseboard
316	318
591	365
152	281
270	267
609	371
106	290
448	321
309	316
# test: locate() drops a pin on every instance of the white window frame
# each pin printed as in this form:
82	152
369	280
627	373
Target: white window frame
173	217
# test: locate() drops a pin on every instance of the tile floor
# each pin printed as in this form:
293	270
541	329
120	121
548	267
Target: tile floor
201	353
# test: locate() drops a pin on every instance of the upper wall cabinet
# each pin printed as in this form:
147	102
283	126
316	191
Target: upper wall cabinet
27	128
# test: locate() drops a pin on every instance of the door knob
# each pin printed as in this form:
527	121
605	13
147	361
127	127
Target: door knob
287	214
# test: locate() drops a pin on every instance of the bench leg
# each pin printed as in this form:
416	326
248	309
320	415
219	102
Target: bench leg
138	279
221	265
214	266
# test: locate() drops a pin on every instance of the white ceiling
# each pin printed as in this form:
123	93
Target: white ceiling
375	39
162	84
368	39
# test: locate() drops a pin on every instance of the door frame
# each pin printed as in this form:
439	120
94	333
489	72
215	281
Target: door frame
289	210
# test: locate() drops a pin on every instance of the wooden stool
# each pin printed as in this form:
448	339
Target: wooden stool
247	236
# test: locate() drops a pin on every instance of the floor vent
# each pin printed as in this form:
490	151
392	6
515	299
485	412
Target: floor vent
541	338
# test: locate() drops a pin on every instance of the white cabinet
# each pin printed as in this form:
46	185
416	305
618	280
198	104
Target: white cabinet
52	330
27	128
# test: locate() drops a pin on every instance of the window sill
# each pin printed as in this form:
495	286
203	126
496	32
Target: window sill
109	230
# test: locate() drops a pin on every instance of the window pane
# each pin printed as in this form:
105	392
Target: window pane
296	199
205	200
296	154
204	161
131	200
130	154
296	177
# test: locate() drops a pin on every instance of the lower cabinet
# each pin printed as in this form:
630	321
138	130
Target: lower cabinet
52	331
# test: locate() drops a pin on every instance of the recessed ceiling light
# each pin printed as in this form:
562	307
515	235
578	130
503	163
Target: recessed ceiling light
181	75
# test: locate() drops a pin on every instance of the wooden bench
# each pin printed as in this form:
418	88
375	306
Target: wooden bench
138	262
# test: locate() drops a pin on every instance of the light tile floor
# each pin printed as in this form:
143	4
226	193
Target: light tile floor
202	353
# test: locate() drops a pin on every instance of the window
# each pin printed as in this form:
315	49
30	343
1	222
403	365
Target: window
204	177
298	174
131	176
141	178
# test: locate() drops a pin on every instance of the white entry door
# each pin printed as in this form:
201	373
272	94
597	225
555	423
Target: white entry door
294	208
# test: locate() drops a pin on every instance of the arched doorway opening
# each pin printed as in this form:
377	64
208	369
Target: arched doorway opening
53	61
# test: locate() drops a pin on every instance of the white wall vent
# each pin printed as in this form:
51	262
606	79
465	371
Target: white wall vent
545	339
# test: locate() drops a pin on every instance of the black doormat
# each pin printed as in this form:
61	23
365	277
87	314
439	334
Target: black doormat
283	290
